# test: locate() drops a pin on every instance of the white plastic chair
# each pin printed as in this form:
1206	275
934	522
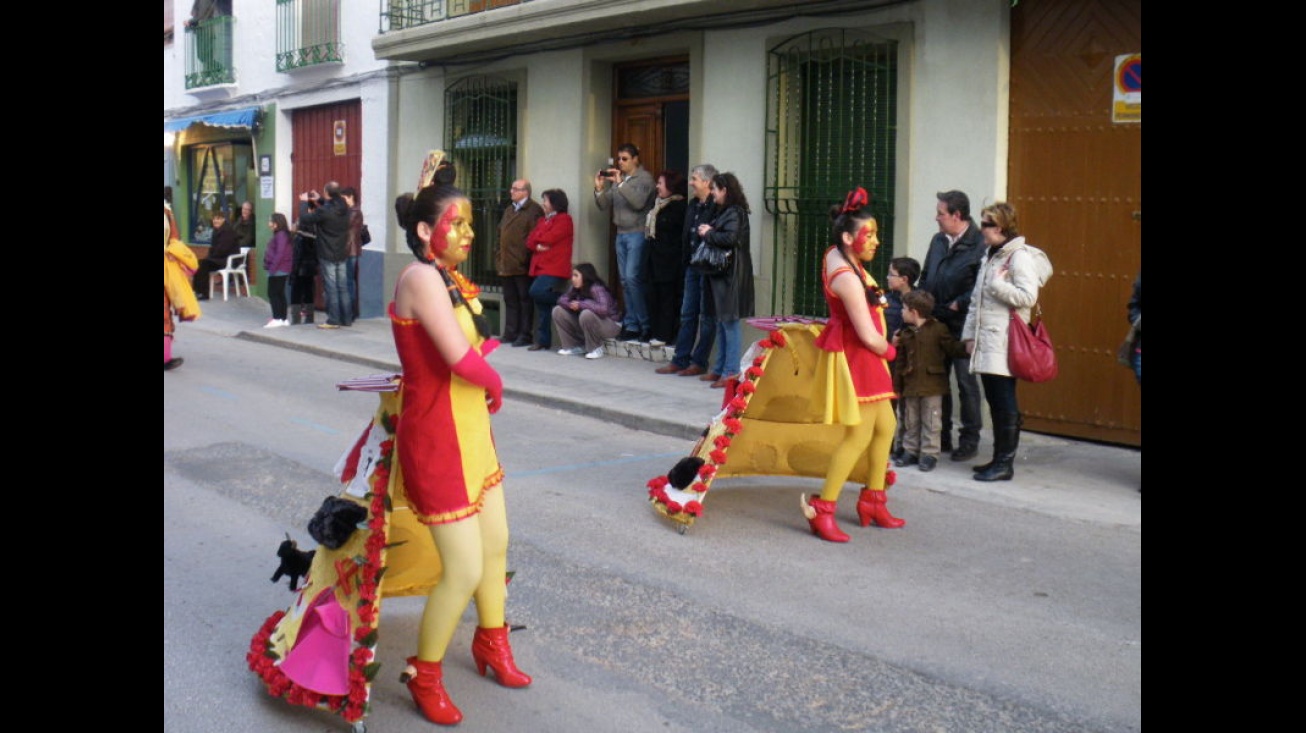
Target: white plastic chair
234	273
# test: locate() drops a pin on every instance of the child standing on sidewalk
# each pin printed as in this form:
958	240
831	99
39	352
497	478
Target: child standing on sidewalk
902	276
924	344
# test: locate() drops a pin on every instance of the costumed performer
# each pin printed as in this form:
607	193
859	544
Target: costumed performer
179	265
445	449
853	370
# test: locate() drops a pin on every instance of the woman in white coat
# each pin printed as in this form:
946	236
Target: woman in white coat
1009	278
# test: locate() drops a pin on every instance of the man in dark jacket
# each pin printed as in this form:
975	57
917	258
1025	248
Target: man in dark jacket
329	216
948	273
513	263
221	246
697	322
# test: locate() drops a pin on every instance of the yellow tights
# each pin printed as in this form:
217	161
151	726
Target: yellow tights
474	553
874	437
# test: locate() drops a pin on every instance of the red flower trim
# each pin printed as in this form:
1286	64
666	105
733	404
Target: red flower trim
721	441
718	456
747	387
778	337
890	478
700	487
694	509
659	482
707	471
755	371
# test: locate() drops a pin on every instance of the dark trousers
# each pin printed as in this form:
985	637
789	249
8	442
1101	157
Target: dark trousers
199	282
277	295
664	309
968	392
517	306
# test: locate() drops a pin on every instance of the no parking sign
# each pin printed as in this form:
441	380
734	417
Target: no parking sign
1127	104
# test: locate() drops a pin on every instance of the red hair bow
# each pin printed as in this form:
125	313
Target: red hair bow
856	199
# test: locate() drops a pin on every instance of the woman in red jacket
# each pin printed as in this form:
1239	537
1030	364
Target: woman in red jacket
550	246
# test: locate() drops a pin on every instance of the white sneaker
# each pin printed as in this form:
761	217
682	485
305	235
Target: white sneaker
573	351
657	343
595	354
274	323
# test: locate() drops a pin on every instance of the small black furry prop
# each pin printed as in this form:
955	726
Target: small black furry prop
335	521
684	472
294	562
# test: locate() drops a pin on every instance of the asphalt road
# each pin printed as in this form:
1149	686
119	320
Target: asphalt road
975	617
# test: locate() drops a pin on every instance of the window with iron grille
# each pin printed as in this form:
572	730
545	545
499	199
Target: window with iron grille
480	130
832	126
308	33
208	52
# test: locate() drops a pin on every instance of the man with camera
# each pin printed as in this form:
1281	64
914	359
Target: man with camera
329	216
627	190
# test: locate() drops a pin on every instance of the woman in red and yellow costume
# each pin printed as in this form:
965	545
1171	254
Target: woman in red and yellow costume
444	445
853	371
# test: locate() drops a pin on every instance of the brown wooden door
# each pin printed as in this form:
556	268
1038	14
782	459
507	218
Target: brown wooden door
327	146
1075	178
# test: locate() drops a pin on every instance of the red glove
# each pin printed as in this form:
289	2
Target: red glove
489	345
890	353
475	369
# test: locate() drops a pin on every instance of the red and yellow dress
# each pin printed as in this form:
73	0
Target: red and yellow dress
443	439
848	373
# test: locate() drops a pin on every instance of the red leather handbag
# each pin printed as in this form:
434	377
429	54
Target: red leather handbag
1030	355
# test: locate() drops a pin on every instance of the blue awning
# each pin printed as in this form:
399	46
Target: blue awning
232	119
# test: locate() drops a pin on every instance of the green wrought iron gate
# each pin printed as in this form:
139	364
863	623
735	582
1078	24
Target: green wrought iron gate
832	126
480	128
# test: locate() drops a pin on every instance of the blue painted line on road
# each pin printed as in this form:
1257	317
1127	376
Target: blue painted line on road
315	426
224	394
594	464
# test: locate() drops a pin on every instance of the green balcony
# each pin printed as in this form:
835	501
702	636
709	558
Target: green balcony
308	34
208	53
397	15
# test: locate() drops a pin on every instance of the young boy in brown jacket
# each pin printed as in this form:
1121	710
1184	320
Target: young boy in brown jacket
921	380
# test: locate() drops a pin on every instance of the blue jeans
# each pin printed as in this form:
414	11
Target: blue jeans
544	291
631	265
697	324
729	334
351	270
336	284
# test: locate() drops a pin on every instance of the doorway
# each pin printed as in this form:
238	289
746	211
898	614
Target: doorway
651	110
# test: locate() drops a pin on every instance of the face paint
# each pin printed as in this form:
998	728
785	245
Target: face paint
866	242
451	240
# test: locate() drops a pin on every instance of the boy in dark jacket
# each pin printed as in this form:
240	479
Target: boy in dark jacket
924	346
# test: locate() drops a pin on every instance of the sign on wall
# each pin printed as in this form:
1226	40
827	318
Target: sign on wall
1127	103
338	137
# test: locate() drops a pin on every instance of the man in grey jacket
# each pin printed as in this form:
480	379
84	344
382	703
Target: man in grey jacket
948	273
628	191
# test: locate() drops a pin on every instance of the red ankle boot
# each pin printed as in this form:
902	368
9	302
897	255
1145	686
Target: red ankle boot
427	688
820	515
490	647
871	508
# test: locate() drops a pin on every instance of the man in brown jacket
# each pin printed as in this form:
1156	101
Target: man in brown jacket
513	263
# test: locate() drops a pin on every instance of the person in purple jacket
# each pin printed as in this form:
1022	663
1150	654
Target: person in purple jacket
586	314
278	262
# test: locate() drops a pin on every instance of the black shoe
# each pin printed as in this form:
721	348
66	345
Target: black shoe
896	453
176	362
928	463
946	443
522	341
907	459
645	337
628	335
201	296
965	452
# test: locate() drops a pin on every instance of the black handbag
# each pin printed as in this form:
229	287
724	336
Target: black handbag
711	260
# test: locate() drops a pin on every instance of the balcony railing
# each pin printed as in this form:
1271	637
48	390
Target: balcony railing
208	53
308	33
397	15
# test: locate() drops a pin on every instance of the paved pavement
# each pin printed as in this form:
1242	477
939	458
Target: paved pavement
1072	479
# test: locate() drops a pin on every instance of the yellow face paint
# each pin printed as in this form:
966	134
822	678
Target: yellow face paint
865	243
451	242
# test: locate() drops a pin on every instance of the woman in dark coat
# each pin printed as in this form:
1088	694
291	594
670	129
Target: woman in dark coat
732	292
662	233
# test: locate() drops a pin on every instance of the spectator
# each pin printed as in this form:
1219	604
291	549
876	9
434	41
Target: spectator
627	190
244	226
354	247
921	378
513	262
697	324
1009	279
664	225
949	275
329	216
278	263
732	292
222	245
550	245
303	276
586	314
902	276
